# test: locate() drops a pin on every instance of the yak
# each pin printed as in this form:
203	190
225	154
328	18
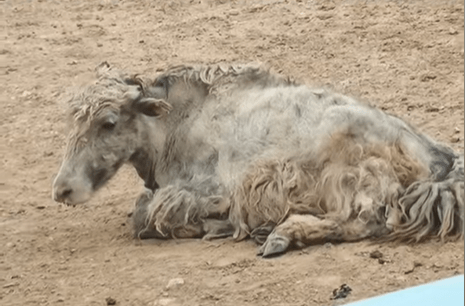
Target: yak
238	150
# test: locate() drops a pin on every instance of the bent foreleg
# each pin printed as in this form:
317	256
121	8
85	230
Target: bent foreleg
176	213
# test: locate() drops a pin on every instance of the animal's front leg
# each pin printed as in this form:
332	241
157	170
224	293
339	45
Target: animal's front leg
174	212
140	218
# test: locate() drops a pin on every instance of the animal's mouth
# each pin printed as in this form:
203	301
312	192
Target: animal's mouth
67	203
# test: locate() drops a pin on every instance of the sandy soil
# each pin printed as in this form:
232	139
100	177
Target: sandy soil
404	56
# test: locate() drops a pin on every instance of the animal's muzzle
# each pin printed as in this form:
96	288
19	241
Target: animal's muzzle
62	192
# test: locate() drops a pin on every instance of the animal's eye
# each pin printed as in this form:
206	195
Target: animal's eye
109	125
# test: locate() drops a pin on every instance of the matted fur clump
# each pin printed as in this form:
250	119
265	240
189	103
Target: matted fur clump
237	150
221	77
344	182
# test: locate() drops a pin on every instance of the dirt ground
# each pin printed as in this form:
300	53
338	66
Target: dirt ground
406	57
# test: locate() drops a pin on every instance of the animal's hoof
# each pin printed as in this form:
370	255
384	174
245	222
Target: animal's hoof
260	234
274	245
150	234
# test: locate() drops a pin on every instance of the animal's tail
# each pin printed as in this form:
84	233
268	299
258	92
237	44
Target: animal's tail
430	208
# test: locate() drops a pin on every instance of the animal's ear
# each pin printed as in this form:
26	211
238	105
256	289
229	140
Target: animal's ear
102	68
153	107
159	88
133	81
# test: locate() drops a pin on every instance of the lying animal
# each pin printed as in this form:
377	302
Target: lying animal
239	151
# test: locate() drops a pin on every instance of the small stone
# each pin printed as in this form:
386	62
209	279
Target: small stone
427	77
415	265
110	301
453	31
175	283
382	261
455	139
164	302
25	94
436	268
376	254
432	109
10	245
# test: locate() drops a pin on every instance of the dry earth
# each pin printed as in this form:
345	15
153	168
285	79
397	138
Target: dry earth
406	57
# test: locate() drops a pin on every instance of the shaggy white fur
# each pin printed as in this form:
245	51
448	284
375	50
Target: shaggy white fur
284	163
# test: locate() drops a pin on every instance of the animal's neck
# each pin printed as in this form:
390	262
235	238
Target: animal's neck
151	142
144	163
156	158
186	95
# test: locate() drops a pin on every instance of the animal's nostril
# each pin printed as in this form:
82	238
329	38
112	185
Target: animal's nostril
62	195
62	191
66	192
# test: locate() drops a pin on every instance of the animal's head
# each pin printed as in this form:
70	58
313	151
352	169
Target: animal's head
108	128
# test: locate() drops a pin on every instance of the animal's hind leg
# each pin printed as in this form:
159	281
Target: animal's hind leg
370	126
297	230
261	233
302	230
431	173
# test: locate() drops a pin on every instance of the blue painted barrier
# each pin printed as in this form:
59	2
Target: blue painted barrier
448	292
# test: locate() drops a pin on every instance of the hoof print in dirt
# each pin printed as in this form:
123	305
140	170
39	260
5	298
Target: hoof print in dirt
341	292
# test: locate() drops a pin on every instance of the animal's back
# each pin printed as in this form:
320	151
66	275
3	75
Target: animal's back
254	124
